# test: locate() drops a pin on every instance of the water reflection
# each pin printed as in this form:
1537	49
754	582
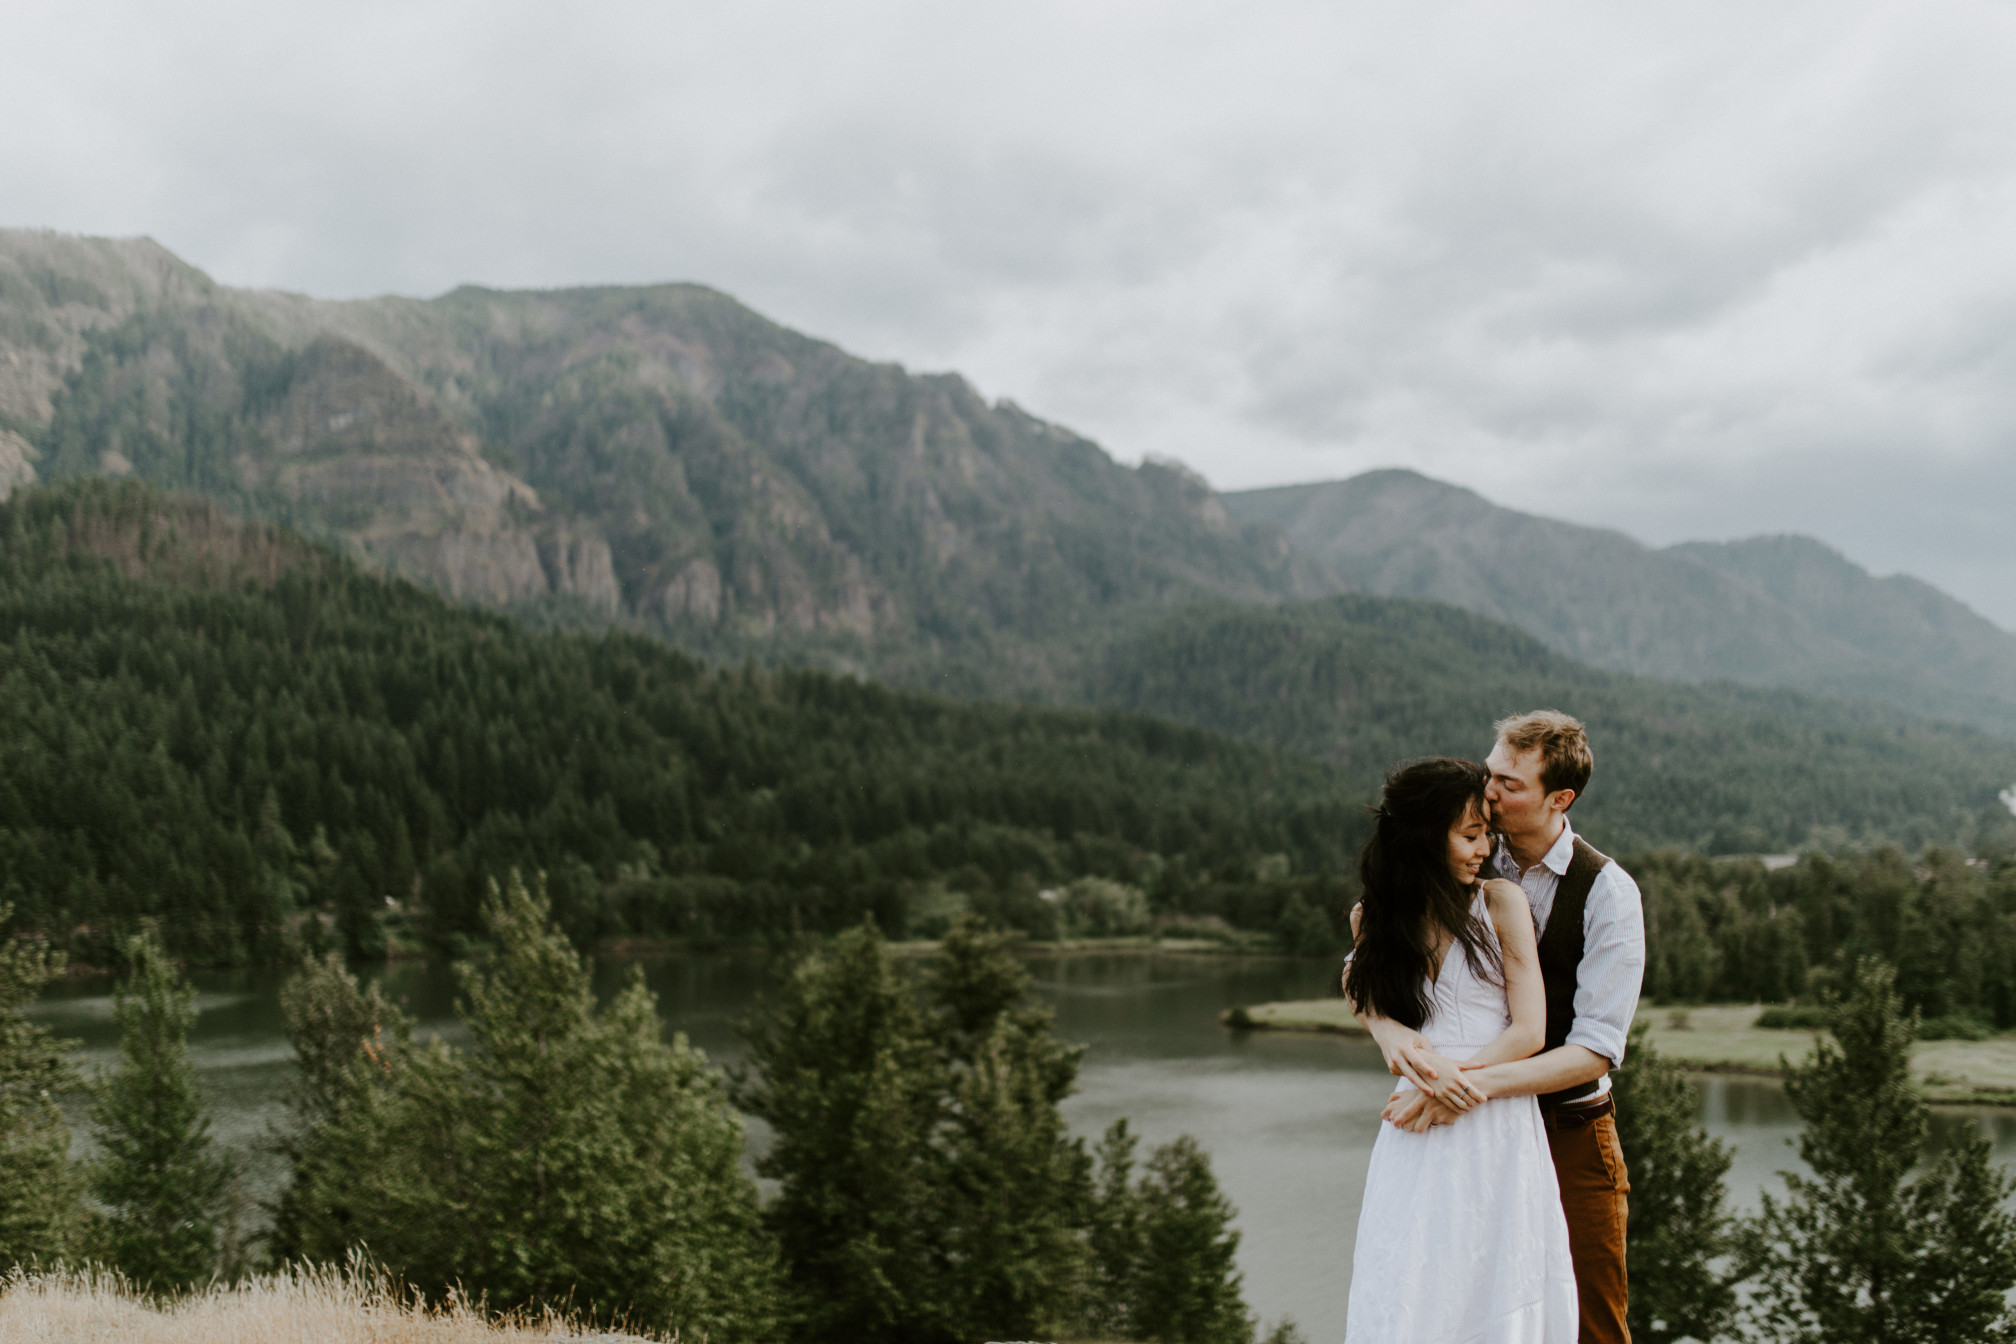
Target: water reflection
1288	1119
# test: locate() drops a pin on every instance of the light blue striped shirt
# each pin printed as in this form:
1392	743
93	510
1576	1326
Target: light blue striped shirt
1613	943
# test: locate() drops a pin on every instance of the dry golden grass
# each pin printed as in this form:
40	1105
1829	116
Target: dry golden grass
315	1306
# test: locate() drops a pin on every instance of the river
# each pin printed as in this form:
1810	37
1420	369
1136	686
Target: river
1288	1119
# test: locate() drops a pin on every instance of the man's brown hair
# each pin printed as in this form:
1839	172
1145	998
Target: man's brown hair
1563	745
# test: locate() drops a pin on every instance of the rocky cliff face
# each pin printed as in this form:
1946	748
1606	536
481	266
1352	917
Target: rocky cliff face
350	442
117	359
658	455
755	483
17	462
56	291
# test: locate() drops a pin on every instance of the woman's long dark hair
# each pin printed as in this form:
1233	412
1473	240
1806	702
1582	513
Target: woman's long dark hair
1411	899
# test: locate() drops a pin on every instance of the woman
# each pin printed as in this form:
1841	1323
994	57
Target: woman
1461	1235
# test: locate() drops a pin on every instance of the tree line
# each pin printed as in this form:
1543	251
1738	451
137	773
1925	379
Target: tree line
218	731
571	1156
1730	930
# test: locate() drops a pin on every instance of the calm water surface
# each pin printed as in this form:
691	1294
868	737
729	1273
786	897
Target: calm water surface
1288	1119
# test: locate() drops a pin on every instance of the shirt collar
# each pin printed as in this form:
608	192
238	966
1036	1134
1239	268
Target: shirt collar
1562	852
1555	860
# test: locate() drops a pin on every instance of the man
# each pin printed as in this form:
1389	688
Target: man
1592	959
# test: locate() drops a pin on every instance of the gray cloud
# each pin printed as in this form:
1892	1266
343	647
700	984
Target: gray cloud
1688	271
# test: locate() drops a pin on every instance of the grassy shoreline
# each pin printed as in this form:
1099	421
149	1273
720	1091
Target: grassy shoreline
1720	1038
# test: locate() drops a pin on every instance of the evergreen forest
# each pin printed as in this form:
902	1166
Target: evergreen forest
221	732
225	734
1715	768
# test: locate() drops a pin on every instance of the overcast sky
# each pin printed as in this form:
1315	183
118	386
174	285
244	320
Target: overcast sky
1699	270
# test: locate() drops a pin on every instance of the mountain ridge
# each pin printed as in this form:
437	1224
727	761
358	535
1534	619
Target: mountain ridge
1362	681
711	475
1786	611
663	458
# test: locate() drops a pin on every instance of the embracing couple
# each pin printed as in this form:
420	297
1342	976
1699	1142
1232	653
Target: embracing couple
1496	960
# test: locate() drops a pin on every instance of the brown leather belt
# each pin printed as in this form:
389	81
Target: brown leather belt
1574	1115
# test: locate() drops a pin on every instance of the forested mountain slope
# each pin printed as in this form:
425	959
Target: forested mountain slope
1770	611
220	729
656	455
1363	681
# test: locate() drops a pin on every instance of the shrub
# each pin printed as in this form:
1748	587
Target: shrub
1305	930
1954	1027
1794	1017
1205	928
1096	907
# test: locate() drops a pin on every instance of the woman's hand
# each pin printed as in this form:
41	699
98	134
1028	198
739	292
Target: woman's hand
1416	1112
1451	1086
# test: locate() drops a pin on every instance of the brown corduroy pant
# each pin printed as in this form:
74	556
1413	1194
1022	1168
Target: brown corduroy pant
1594	1185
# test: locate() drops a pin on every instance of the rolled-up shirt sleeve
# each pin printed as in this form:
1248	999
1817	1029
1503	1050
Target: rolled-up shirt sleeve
1613	964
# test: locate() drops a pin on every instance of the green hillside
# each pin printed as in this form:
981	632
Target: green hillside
1363	681
251	743
1768	611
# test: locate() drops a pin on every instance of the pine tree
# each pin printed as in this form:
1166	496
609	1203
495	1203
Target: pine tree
162	1185
1114	1239
1012	1186
1856	1250
930	1192
1162	1250
1188	1285
40	1195
332	1023
571	1155
1679	1227
846	1078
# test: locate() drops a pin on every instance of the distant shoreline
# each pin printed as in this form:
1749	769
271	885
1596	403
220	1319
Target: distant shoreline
1257	945
1717	1038
1254	945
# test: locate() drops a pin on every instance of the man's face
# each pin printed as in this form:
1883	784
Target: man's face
1519	803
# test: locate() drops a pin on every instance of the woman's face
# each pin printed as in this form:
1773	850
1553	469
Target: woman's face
1469	846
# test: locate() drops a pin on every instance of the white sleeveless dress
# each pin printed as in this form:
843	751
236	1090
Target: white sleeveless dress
1461	1239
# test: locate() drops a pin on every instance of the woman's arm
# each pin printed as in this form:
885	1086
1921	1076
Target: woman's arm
1524	992
1408	1053
1525	995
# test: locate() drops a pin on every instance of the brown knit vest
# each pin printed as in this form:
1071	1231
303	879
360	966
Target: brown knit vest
1561	956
